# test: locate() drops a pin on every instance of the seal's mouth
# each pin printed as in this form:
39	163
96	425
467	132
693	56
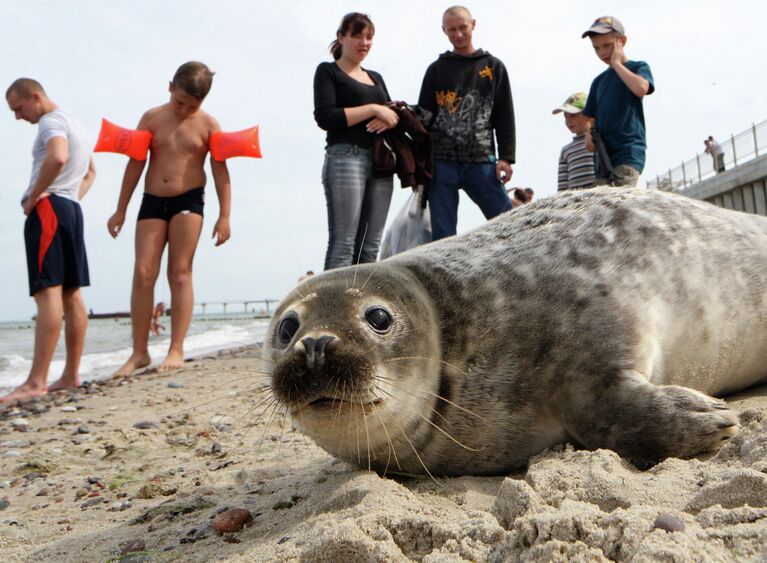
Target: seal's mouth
328	404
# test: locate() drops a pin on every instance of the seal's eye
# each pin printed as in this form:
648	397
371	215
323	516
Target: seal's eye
288	328
378	318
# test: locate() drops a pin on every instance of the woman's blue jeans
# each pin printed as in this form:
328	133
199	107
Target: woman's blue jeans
357	205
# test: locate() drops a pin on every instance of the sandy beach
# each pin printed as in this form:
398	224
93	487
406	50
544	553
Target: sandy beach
149	469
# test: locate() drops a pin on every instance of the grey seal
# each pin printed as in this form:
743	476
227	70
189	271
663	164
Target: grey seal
607	318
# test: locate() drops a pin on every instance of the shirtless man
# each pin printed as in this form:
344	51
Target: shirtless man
172	209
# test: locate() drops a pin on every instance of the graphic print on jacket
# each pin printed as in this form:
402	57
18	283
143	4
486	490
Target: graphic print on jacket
465	100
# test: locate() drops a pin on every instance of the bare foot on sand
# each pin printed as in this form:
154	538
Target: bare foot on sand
61	385
22	392
136	361
174	360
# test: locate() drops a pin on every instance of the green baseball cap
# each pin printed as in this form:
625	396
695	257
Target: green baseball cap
574	104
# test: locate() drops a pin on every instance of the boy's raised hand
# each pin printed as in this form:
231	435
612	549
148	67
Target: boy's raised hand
617	56
221	231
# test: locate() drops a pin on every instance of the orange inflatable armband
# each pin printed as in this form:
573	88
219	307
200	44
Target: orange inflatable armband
113	138
239	143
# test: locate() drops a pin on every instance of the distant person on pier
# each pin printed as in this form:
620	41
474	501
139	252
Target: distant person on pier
62	173
306	276
717	154
171	211
159	311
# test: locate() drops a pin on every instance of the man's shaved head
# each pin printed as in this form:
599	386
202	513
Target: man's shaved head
24	88
460	11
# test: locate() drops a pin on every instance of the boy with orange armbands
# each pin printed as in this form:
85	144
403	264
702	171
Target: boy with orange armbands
172	209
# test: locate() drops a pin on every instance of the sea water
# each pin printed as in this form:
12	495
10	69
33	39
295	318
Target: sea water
108	345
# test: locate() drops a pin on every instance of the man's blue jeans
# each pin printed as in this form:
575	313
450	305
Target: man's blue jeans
357	205
477	179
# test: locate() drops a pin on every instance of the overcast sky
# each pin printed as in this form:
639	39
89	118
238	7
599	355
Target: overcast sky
114	60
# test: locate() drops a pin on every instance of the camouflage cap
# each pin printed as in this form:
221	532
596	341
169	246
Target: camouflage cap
574	104
603	25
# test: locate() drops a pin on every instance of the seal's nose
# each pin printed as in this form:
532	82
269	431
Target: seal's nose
315	351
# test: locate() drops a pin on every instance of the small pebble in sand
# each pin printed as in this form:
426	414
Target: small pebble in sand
132	546
119	506
145	425
83	429
4	504
69	408
12	453
746	447
219	419
175	385
215	448
669	523
16	444
92	502
232	520
20	424
68	421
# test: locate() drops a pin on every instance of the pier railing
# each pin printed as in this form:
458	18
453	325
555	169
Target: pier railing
241	306
738	149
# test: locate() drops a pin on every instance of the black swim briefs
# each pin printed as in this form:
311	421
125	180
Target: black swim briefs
53	234
156	207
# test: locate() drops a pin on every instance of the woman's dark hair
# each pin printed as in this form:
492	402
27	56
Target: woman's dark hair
351	24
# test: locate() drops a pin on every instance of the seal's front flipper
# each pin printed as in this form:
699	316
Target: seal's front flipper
647	423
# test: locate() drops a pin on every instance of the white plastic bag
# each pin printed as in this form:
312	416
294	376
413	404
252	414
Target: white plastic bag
411	227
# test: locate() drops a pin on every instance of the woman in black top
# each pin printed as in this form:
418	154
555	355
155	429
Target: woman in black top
349	104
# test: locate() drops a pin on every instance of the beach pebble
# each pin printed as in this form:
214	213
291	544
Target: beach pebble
176	438
200	533
69	408
68	421
16	444
215	448
38	409
42	493
20	424
83	429
95	480
119	506
219	419
113	408
81	493
4	504
92	502
12	453
175	385
231	520
745	448
145	425
669	523
5	484
132	546
136	558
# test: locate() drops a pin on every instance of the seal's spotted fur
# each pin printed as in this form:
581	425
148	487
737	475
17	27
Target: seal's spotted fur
600	317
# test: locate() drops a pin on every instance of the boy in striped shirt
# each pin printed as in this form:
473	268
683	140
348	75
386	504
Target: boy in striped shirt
576	163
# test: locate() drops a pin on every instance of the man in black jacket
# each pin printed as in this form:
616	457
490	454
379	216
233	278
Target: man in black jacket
466	104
